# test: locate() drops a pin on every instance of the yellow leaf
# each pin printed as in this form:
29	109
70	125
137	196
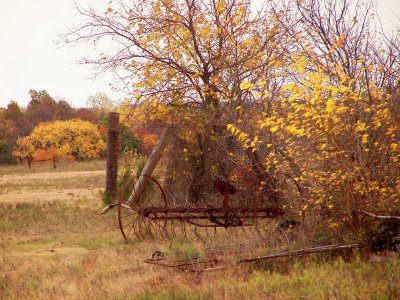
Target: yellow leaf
341	110
273	129
267	94
246	86
364	139
360	126
340	41
330	105
220	7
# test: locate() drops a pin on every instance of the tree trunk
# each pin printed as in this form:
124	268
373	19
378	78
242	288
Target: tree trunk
269	184
199	176
150	166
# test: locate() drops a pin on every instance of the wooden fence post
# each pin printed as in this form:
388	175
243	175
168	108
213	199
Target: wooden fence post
112	154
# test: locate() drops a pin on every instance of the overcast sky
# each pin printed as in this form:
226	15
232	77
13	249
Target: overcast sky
29	58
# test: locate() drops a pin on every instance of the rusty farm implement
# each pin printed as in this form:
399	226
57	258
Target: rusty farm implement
144	211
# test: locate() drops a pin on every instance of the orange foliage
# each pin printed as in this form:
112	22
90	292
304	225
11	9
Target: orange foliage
148	138
149	142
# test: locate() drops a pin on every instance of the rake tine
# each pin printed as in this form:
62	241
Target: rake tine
163	229
172	229
150	228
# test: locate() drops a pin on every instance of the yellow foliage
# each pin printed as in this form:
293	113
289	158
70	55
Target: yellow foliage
330	105
246	86
62	139
344	148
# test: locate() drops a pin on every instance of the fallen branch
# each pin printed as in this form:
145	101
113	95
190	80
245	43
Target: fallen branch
372	215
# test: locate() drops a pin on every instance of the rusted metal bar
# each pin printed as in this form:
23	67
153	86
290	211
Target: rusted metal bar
216	217
188	266
112	154
219	224
302	252
273	211
199	217
210	217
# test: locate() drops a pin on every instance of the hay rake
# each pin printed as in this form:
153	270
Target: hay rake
143	211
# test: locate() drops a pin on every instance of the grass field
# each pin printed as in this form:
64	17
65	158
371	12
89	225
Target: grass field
54	245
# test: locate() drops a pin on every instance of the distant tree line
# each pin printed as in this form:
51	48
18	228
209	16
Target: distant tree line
39	131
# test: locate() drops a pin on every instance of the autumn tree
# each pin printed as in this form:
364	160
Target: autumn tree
16	121
338	150
148	140
41	108
24	149
88	114
192	55
44	108
76	139
341	50
13	123
332	138
64	111
100	102
8	129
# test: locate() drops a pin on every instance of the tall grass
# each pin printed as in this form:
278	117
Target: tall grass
359	279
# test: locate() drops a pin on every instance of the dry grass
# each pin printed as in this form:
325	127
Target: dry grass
60	248
42	167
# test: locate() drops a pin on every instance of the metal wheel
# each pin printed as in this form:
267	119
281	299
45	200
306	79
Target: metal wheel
132	203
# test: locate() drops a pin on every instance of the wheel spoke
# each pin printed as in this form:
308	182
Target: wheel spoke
130	222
